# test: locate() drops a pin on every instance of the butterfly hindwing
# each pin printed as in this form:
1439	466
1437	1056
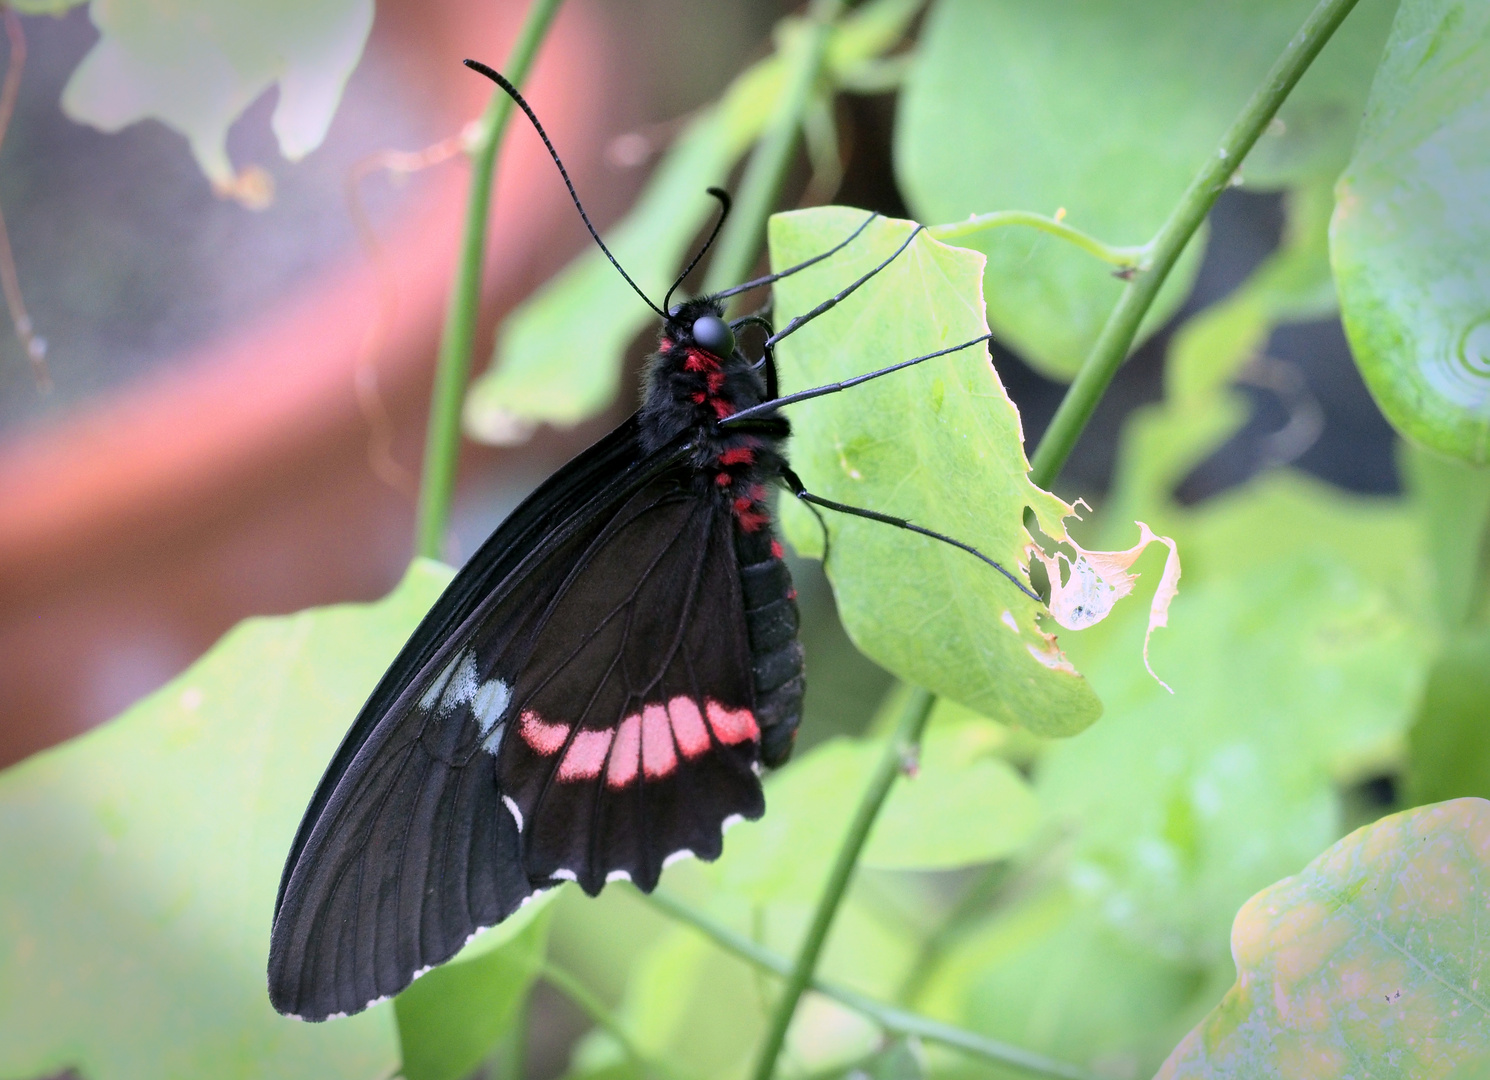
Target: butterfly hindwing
634	737
609	606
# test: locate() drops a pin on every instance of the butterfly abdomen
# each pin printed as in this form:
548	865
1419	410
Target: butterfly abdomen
771	623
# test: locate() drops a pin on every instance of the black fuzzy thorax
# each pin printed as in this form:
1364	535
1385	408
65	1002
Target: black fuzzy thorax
687	392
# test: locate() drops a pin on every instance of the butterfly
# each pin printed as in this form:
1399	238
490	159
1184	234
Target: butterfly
595	694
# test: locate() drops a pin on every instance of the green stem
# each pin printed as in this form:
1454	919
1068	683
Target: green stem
892	762
453	367
598	1012
766	171
891	1019
1116	339
1125	257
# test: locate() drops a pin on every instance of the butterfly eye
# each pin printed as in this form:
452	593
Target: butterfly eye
713	333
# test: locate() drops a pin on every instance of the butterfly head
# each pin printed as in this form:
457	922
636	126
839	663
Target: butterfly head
700	323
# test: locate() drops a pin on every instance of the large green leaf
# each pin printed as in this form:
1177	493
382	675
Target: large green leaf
959	778
1368	963
939	444
197	66
141	861
1412	228
449	1020
1107	109
1293	674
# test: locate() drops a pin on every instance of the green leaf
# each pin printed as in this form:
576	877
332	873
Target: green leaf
142	861
1450	742
1107	110
1049	973
196	67
1292	675
938	444
1412	227
1368	963
558	358
959	778
449	1020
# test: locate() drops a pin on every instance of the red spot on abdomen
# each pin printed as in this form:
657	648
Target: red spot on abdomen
776	549
722	408
738	455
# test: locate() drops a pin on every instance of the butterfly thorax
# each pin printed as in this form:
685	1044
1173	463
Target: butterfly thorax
689	390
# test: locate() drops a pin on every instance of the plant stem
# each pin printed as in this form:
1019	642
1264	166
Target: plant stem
766	171
892	762
597	1011
453	367
895	1021
1125	257
1112	344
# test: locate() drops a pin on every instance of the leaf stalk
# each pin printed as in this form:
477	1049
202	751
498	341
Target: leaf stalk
894	1020
901	746
1116	339
453	365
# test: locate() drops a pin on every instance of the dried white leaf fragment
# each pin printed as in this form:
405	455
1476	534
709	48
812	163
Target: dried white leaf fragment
1092	584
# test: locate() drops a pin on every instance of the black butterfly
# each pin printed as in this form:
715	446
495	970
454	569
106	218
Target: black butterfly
593	696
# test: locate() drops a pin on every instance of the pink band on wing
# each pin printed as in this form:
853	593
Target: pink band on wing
732	726
688	727
658	756
625	757
586	755
544	738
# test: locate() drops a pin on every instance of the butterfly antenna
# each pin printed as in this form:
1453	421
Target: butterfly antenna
512	92
724	205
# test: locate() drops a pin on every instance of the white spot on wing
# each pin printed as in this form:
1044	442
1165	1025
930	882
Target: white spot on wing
730	822
678	856
563	874
517	816
462	685
489	703
493	742
437	687
618	875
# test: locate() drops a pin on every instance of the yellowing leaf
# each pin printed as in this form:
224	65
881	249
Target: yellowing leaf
1372	962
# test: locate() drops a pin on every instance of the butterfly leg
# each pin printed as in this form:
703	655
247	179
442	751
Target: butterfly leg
837	298
794	483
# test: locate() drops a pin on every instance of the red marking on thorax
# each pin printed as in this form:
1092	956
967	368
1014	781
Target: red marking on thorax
776	549
737	455
722	408
699	361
